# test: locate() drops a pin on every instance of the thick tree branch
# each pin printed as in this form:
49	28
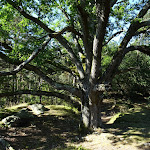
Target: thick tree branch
22	65
117	59
143	49
40	93
144	10
86	36
103	10
135	25
132	31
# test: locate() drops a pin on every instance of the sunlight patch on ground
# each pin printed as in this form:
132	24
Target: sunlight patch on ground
104	142
19	106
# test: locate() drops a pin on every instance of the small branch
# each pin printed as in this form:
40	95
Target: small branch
142	32
64	12
26	15
112	37
143	49
32	56
61	67
6	46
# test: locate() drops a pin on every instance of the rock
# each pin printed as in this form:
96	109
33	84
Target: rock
4	145
11	121
37	109
21	118
24	113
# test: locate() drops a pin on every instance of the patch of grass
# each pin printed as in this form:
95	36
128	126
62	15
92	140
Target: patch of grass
113	119
71	148
19	106
133	126
61	110
7	111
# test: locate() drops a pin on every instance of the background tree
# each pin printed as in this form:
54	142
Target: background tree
69	36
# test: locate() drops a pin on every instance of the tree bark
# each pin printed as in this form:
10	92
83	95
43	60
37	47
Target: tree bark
95	109
91	109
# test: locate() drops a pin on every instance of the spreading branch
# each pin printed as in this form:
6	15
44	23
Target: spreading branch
111	72
61	67
144	10
40	93
36	70
135	25
117	59
60	38
22	65
143	49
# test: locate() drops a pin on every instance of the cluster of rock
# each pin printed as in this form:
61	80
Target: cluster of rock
24	116
19	119
37	109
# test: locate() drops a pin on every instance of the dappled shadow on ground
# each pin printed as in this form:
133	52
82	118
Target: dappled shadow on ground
58	126
45	132
132	127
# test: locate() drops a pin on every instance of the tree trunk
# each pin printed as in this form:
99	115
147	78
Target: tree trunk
91	110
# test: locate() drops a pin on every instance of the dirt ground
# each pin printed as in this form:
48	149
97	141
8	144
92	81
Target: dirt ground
59	129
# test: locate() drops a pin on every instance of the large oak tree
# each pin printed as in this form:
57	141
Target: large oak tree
45	36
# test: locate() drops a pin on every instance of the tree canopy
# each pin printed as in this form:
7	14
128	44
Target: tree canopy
73	36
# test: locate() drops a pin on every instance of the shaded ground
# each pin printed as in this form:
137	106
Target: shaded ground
58	129
49	131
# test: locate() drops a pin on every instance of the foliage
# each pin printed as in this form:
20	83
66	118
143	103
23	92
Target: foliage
134	83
